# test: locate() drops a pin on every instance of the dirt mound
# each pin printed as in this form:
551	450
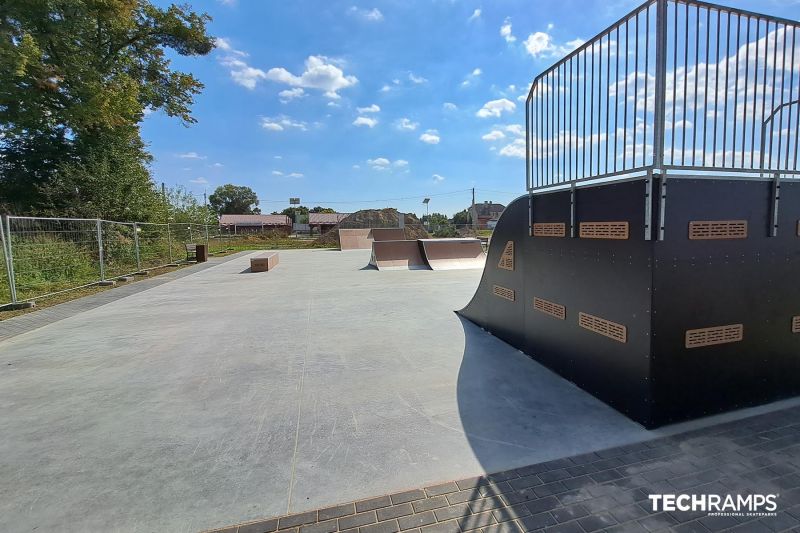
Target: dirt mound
374	218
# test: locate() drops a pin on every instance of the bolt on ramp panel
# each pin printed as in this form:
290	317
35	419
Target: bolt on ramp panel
388	234
453	254
355	239
397	255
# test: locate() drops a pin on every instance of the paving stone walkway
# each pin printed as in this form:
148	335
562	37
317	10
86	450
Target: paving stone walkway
36	319
600	491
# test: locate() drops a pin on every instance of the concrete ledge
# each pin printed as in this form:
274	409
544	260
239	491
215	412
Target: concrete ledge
264	262
125	278
106	283
142	273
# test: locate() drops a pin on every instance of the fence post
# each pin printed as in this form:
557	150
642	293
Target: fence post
661	84
169	243
136	246
12	285
100	250
206	228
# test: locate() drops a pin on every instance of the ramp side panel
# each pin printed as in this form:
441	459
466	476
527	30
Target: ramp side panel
397	255
453	254
355	239
388	234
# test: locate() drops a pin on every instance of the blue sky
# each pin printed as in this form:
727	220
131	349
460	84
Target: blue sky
358	104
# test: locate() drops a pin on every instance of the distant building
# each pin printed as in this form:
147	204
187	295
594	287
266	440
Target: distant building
322	222
488	212
254	223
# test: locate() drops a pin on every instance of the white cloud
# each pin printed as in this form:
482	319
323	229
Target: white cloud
199	181
430	137
217	165
449	106
372	15
277	173
495	108
242	73
416	79
505	31
475	15
191	155
379	163
541	44
282	123
494	135
515	149
386	89
515	129
224	44
290	94
277	157
401	163
437	178
365	121
374	108
294	175
356	167
472	76
320	74
406	124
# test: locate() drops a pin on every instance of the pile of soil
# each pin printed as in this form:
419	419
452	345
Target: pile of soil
374	218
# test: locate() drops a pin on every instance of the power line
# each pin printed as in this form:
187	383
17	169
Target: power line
320	202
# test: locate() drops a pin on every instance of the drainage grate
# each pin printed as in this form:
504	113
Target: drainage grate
796	324
504	292
507	257
604	327
695	338
603	230
550	308
549	229
703	230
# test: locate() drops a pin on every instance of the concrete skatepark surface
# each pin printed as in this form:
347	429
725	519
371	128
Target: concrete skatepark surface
227	396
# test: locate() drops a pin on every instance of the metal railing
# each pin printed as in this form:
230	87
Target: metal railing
46	256
675	85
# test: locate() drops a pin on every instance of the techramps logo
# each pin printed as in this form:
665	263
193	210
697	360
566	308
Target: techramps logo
716	504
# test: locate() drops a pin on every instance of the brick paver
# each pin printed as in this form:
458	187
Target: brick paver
600	491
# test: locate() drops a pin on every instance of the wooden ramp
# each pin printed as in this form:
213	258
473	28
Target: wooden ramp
388	234
397	255
355	239
453	254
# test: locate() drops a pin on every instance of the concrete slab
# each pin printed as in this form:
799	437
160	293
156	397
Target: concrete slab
223	396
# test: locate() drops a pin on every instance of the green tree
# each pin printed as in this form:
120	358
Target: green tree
78	76
319	209
184	207
234	200
462	218
435	219
298	214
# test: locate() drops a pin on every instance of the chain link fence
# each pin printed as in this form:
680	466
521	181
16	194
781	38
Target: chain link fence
46	256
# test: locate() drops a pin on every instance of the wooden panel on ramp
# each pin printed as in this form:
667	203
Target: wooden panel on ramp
388	234
355	239
453	254
397	255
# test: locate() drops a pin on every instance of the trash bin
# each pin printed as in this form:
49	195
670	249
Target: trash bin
201	253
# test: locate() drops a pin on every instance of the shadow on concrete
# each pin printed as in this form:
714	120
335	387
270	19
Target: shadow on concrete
247	270
515	412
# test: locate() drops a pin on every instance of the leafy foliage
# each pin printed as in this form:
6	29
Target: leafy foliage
232	199
462	217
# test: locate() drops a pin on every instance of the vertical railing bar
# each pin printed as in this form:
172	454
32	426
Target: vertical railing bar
685	82
755	96
783	91
591	113
791	88
772	98
674	85
12	280
616	105
661	72
716	93
136	246
797	120
646	78
608	93
705	92
736	87
557	104
746	86
764	89
725	103
100	250
562	119
583	151
553	133
636	86
696	85
569	122
625	105
599	98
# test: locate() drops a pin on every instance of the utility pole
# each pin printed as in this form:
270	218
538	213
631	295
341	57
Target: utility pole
474	212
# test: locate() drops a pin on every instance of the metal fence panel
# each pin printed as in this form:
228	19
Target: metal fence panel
119	249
